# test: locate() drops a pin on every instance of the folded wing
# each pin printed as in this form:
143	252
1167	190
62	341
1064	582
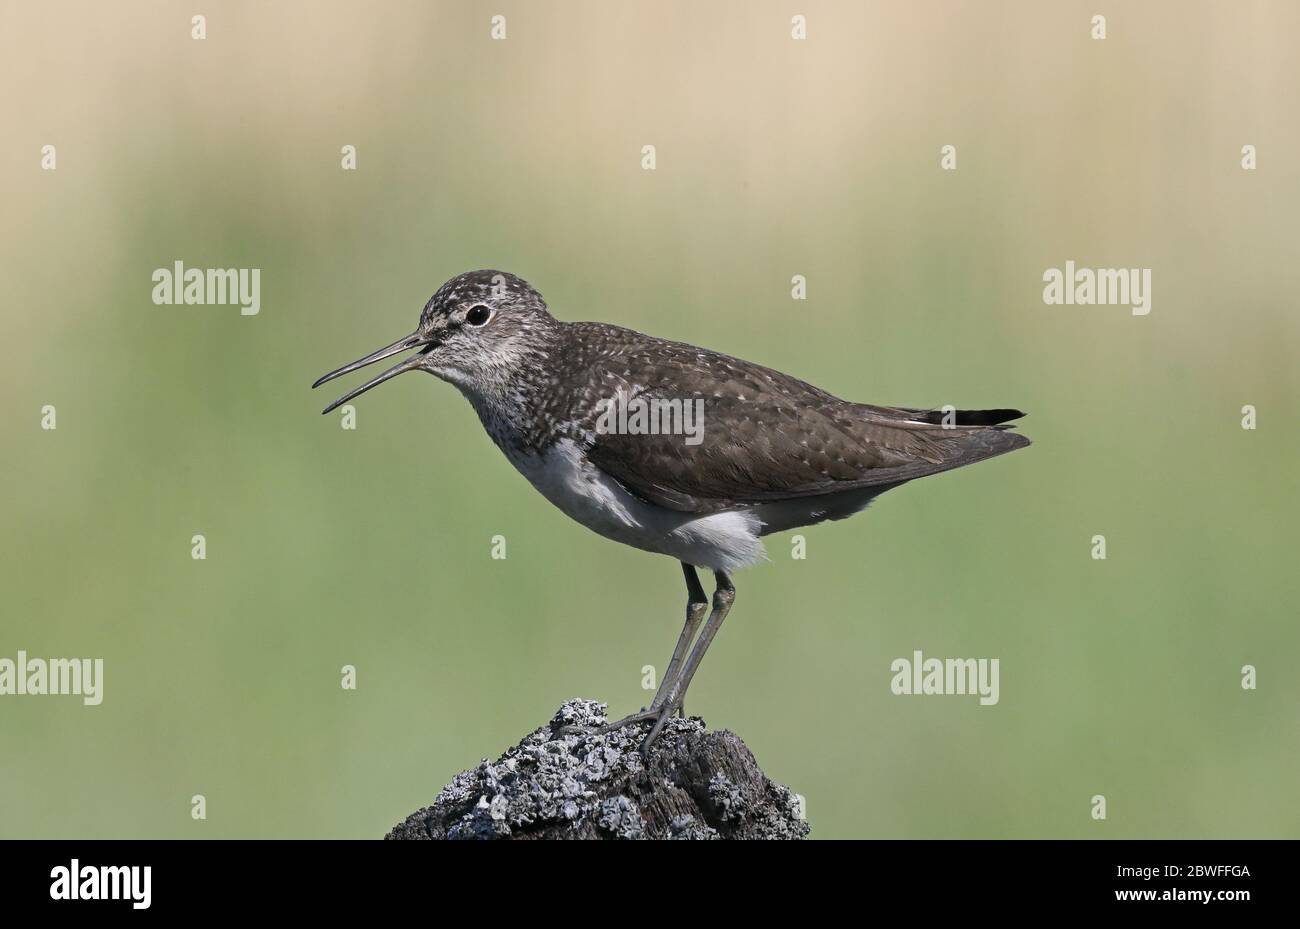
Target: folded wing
767	436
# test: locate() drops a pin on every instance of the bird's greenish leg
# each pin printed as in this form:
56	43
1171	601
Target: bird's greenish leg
724	595
697	605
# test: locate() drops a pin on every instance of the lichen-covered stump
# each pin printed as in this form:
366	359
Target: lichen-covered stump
564	782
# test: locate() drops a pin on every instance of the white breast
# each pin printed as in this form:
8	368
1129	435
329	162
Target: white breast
718	541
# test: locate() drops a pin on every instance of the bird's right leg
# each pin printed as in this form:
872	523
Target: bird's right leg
697	605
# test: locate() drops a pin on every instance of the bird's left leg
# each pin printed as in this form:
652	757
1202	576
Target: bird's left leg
697	605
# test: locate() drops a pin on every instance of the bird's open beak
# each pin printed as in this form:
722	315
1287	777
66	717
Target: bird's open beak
415	340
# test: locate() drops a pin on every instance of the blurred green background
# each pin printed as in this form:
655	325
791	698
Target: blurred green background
776	157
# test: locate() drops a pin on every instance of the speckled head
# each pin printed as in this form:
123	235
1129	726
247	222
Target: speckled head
474	331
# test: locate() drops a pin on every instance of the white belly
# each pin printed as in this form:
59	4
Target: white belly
719	541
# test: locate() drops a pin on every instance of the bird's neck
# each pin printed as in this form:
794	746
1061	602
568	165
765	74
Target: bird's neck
511	397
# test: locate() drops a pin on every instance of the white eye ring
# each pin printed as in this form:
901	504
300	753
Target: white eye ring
474	318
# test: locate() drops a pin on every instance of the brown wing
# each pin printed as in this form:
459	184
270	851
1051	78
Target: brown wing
768	436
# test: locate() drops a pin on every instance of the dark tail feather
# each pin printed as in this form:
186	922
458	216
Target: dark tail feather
968	417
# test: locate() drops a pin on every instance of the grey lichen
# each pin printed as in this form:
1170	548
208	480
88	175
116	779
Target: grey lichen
565	781
620	817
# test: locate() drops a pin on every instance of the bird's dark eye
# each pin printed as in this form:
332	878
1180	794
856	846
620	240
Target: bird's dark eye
478	315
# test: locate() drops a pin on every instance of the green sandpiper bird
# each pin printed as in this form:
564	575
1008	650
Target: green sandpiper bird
768	453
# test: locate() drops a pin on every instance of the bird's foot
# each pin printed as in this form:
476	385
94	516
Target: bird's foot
665	713
659	715
643	715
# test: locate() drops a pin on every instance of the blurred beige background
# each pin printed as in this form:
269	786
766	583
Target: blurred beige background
775	157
